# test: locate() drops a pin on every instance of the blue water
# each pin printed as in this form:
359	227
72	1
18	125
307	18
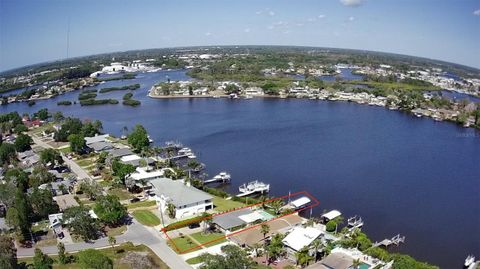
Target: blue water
402	174
346	74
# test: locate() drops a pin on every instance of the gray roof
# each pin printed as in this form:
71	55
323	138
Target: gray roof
120	152
337	261
95	139
25	154
136	162
230	220
179	193
100	146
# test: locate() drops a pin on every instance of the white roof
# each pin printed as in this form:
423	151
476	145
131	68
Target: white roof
300	201
140	173
95	139
128	158
252	217
332	214
301	237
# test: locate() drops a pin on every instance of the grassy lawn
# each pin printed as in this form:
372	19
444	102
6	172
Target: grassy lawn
65	149
116	256
147	203
122	194
183	243
194	260
222	205
117	230
146	217
85	162
204	238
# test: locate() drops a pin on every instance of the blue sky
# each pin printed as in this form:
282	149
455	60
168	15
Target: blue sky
35	31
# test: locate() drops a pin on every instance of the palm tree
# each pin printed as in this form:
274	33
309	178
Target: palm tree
171	210
317	243
303	257
265	229
276	205
112	241
356	264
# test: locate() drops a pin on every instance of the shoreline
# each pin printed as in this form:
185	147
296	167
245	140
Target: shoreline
432	114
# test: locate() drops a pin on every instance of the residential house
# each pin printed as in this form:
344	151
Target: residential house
188	200
299	238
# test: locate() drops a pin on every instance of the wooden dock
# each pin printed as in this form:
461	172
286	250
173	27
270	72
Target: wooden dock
396	240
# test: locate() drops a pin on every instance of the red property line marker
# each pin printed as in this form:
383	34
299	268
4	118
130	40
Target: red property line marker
312	198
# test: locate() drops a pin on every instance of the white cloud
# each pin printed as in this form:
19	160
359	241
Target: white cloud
208	34
351	18
271	13
476	12
321	16
246	30
312	19
299	24
351	3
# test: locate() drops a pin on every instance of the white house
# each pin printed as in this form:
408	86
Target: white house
299	238
142	173
188	200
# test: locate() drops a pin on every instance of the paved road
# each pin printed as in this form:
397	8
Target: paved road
81	174
136	233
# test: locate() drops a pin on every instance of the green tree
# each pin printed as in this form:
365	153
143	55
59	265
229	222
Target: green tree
138	138
265	229
233	258
23	142
356	264
91	188
8	253
276	205
80	223
40	175
303	257
50	157
58	116
112	241
275	247
62	256
18	177
171	210
121	170
331	226
18	216
109	210
77	143
20	128
7	153
42	114
42	203
41	260
94	259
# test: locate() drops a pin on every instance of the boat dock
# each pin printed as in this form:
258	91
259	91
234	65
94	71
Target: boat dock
253	187
396	240
355	222
223	177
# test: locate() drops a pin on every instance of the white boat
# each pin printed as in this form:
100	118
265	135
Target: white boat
253	187
184	151
150	140
248	96
469	260
222	176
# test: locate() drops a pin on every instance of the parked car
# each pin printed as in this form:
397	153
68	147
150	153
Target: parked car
193	225
134	200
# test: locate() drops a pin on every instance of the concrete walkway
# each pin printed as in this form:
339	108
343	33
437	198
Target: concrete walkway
136	233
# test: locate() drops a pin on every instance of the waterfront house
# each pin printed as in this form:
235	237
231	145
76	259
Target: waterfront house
187	200
136	160
144	173
331	215
100	146
118	153
298	239
96	139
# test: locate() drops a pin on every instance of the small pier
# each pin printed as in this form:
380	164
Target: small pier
223	177
396	240
253	187
355	222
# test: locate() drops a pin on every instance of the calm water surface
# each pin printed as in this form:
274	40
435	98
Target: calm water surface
402	174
